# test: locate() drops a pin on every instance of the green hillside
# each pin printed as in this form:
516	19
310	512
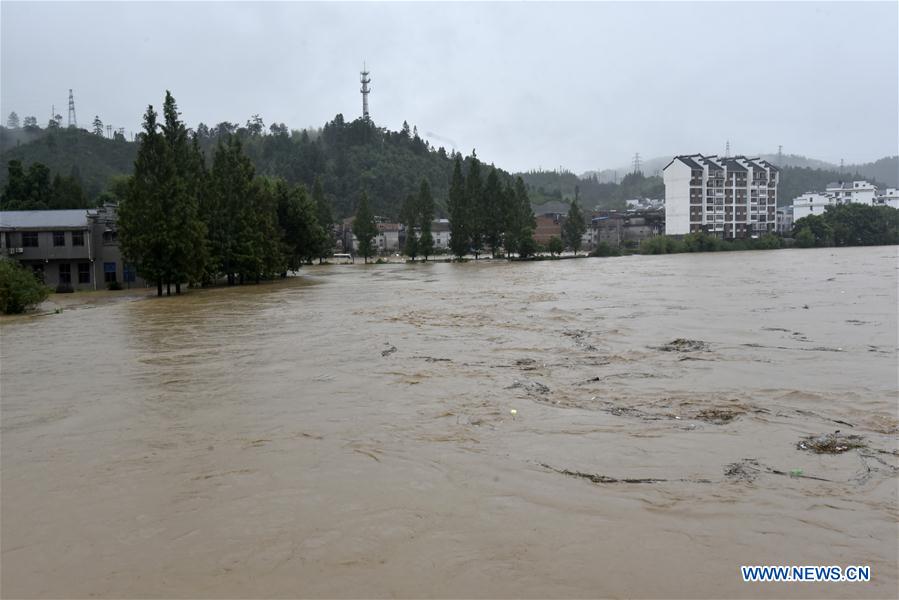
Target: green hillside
91	158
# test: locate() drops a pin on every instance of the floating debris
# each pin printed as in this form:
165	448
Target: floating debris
684	345
718	416
389	351
746	469
531	386
594	478
831	443
526	364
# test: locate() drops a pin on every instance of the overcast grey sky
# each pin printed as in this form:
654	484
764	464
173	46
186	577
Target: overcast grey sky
582	86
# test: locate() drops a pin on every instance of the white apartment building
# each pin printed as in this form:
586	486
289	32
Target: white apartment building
852	192
812	203
727	197
843	192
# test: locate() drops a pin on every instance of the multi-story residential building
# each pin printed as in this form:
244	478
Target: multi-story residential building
626	229
852	192
440	230
548	226
784	225
727	197
67	249
843	192
812	203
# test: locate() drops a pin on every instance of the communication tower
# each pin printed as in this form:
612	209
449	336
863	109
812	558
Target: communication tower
365	80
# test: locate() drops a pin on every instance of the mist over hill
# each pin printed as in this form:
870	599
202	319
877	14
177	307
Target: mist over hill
884	170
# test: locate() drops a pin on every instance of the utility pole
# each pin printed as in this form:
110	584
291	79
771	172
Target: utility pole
365	80
73	122
780	156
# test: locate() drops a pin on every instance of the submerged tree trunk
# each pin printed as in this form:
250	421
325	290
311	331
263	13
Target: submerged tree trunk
158	286
168	288
177	288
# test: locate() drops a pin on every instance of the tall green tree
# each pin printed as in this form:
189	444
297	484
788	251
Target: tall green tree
98	126
364	228
233	236
575	226
409	218
494	212
186	227
425	215
144	238
474	205
457	208
12	121
325	218
520	221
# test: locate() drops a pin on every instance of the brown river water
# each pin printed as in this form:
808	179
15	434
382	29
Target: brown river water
350	432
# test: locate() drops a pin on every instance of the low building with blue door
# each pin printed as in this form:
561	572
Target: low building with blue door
68	249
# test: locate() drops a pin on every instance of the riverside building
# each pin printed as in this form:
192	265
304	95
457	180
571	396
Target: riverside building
729	197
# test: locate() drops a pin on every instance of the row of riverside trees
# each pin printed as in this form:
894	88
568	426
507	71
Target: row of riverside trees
490	213
180	221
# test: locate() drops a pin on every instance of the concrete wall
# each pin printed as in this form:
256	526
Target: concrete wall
677	198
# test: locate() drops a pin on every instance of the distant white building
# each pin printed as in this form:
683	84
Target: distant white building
843	192
644	203
852	192
440	231
727	197
888	197
784	224
812	203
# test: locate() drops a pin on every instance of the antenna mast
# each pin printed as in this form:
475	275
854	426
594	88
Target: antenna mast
727	149
73	122
365	80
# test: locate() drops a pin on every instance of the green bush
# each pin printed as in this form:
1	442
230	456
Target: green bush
702	242
603	249
555	246
661	244
19	288
527	247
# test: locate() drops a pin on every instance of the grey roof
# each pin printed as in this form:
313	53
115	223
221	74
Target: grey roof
734	165
713	166
43	219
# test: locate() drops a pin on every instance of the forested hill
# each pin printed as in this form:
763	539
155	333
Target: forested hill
348	156
351	157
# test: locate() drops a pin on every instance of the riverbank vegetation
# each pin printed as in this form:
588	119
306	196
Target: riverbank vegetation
20	289
840	225
180	221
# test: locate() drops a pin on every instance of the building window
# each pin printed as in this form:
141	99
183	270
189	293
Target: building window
109	272
110	236
77	238
128	273
59	238
84	272
29	239
65	274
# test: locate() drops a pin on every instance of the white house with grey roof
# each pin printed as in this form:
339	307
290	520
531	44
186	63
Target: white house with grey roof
729	197
67	249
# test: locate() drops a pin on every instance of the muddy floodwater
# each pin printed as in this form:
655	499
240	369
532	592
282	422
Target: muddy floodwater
625	427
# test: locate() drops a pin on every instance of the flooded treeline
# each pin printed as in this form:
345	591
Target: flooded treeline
180	221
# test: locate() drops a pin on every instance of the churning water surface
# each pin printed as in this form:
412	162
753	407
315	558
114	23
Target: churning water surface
625	427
